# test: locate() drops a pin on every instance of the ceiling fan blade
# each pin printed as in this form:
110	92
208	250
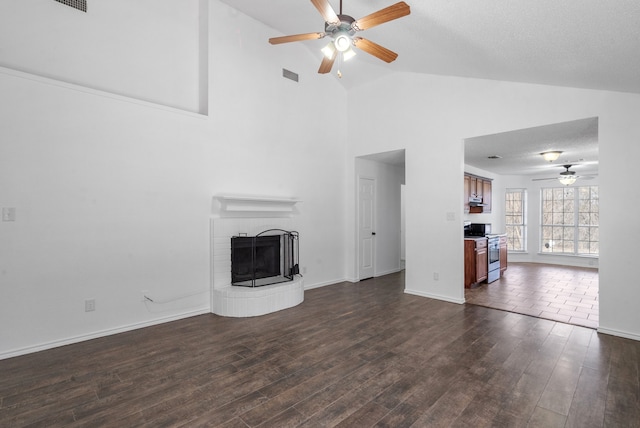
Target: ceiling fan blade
296	38
375	49
544	179
387	14
327	12
327	64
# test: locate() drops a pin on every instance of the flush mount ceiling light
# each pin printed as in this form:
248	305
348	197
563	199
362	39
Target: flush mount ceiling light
551	155
342	29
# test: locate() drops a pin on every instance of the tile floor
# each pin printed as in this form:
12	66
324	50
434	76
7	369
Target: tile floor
559	293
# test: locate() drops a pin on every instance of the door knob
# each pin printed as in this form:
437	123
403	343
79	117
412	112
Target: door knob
373	233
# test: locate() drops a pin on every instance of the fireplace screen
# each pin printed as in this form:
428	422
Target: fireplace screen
264	259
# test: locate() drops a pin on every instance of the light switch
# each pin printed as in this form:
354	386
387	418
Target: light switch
8	214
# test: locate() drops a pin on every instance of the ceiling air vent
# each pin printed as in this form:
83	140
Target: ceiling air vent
289	74
76	4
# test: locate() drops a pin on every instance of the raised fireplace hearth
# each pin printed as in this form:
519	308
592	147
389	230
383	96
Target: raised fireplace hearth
248	217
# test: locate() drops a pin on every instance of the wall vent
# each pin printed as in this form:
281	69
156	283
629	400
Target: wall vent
290	75
76	4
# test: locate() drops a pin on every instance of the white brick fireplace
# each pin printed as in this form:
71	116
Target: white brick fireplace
235	215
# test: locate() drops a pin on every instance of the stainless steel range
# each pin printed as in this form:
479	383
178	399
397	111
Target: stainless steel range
493	258
493	247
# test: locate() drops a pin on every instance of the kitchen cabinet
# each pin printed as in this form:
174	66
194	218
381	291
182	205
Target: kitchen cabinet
503	254
486	196
467	193
475	261
477	187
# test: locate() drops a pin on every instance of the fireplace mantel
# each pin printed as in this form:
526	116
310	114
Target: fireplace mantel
255	206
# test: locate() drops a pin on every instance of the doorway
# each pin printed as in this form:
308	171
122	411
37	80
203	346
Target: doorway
513	159
379	179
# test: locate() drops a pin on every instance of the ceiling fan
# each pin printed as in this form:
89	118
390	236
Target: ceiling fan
342	29
566	177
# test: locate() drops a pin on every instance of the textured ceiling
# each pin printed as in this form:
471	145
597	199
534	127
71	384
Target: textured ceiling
519	151
578	43
591	44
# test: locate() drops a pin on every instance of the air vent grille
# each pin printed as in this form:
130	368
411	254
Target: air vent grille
289	74
76	4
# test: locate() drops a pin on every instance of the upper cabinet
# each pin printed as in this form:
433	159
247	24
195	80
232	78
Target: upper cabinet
477	194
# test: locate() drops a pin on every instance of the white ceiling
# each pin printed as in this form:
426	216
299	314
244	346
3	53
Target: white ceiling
519	150
593	44
579	43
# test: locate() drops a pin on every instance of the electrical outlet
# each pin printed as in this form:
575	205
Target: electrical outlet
436	276
89	305
8	214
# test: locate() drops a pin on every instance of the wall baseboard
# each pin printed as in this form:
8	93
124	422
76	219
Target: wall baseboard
102	333
434	296
324	284
389	272
619	333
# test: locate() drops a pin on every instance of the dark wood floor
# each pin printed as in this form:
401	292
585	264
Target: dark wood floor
559	293
352	355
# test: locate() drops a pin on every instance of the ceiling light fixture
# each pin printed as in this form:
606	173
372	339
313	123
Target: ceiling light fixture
567	180
342	29
551	155
342	42
348	54
329	51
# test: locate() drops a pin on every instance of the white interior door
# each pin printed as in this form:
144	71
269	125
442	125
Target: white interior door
366	224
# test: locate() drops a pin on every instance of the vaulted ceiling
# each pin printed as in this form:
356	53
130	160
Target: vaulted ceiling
591	44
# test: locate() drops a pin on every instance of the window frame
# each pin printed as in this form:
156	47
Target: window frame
570	230
522	226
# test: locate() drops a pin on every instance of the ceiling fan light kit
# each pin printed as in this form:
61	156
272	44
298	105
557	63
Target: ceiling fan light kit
568	179
342	29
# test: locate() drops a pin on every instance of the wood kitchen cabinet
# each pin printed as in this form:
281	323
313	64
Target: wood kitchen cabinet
477	187
475	261
503	254
466	193
486	196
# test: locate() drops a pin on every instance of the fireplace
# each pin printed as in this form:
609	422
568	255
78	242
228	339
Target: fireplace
257	216
264	259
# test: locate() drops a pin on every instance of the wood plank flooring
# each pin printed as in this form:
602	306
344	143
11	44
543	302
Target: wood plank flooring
559	293
351	355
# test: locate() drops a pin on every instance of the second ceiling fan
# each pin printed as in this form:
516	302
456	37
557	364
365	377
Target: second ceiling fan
342	29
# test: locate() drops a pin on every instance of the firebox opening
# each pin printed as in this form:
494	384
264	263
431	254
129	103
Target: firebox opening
264	259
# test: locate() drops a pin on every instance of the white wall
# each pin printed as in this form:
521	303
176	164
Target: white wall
389	179
113	196
432	115
146	49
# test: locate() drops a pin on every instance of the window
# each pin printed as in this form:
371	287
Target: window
570	217
515	215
